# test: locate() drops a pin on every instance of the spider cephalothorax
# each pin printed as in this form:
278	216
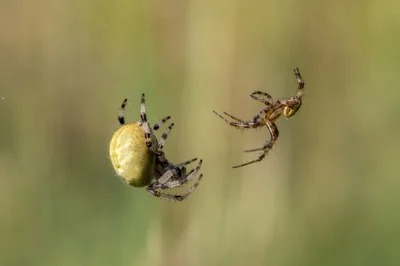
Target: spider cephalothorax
269	115
138	158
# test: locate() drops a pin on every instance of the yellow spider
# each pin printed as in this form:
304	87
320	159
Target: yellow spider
138	157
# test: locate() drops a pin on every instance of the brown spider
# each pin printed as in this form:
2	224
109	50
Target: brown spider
269	115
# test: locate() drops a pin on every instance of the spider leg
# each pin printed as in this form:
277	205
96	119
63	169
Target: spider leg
164	137
121	117
164	183
162	164
268	102
263	94
235	118
190	191
172	173
300	81
256	118
161	122
273	130
242	125
226	120
257	149
186	163
145	124
183	179
168	196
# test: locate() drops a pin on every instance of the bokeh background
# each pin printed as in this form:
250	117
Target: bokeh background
328	193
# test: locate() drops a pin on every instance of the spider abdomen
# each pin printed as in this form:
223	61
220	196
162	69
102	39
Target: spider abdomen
132	159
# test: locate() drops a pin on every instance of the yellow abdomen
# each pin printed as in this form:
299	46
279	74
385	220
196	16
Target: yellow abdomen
131	158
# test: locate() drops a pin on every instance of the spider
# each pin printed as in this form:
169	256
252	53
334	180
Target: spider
138	158
268	116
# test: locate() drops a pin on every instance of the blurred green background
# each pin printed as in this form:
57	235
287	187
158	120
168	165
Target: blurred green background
327	194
